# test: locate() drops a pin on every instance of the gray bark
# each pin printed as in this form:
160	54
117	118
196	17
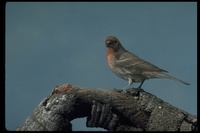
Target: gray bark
109	109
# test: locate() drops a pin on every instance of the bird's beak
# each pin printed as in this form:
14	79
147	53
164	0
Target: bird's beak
109	43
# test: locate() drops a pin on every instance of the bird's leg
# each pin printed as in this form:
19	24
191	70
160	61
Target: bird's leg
130	81
136	91
141	84
124	90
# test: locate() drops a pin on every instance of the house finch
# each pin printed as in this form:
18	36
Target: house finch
130	67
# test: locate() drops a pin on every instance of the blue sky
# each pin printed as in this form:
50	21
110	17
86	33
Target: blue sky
50	44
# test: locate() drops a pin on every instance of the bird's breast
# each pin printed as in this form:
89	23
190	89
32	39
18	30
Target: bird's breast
110	56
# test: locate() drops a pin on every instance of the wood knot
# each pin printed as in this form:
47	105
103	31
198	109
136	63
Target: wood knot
63	88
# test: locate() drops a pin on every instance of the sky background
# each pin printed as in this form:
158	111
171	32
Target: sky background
50	44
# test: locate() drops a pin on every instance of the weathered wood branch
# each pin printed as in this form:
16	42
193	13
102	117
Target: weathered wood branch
136	111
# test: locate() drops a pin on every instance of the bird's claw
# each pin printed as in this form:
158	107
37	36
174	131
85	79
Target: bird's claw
123	91
135	91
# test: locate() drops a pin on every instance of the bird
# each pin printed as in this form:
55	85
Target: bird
130	67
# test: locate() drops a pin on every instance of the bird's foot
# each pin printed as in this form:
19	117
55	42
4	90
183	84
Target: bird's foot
135	91
123	91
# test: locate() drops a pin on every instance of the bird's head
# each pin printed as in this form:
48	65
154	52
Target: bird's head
113	43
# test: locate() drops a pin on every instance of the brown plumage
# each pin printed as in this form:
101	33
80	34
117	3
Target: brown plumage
130	67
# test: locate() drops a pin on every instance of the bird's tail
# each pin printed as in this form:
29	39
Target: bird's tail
163	75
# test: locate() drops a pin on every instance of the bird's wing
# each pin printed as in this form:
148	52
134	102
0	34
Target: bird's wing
132	62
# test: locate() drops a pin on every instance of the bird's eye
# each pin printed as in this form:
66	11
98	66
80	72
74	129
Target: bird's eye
115	42
110	42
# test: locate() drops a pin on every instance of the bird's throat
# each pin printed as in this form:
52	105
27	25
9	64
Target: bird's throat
110	55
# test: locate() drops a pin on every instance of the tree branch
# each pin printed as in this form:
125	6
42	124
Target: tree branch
136	111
